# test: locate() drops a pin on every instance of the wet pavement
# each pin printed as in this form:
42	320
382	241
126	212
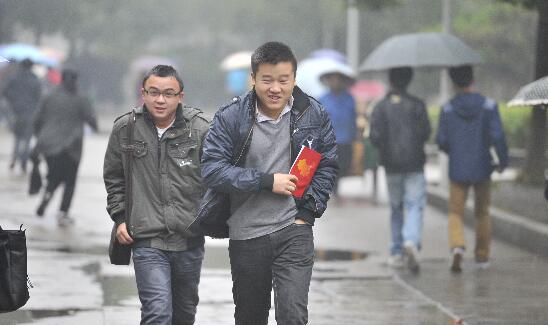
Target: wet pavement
75	284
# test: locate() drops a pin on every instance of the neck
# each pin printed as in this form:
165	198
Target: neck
465	90
164	123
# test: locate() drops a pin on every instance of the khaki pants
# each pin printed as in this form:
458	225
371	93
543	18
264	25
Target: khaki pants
457	198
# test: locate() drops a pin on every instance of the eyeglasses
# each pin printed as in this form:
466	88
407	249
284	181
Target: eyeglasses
167	94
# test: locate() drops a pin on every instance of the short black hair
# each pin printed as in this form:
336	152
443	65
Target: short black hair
164	71
272	53
400	77
27	63
462	76
69	75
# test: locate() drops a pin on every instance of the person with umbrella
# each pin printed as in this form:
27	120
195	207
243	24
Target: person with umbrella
470	132
399	129
341	107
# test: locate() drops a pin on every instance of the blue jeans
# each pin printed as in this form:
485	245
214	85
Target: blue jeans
407	192
167	283
281	260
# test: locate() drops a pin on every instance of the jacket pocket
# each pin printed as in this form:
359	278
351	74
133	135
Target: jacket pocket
140	149
183	153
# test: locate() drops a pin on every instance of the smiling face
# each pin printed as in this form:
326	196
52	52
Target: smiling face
161	109
274	85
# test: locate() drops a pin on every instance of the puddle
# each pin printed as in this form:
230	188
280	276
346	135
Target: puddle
333	255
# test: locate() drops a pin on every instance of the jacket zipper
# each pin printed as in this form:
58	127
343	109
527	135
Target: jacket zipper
293	132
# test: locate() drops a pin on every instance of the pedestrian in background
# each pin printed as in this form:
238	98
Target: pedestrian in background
59	129
22	91
341	107
469	126
399	129
166	190
271	239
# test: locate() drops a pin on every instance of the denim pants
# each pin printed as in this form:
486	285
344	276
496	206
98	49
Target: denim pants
281	260
407	192
167	283
458	193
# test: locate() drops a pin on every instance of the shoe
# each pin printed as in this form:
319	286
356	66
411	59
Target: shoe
42	207
395	261
64	220
456	265
411	254
482	264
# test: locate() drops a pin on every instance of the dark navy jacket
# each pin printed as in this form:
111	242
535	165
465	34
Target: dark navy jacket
469	125
228	141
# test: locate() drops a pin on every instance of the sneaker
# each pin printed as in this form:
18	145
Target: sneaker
411	254
482	265
395	261
456	265
42	207
64	220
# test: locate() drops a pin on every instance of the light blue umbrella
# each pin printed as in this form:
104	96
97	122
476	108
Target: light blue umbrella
21	51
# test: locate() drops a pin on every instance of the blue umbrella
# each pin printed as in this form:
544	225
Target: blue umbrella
21	51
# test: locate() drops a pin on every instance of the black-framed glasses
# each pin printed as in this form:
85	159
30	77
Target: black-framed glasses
167	94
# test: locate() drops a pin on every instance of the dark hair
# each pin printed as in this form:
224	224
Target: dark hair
400	77
69	75
462	76
272	53
163	71
27	63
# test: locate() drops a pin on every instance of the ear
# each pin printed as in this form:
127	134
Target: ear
142	93
252	79
181	96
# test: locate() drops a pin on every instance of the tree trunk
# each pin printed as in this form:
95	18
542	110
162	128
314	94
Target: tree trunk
535	163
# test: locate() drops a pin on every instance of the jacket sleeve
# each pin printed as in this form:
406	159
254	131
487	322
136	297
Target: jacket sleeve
497	138
315	199
113	176
88	114
217	166
442	138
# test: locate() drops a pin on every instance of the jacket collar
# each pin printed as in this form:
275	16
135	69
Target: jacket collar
179	118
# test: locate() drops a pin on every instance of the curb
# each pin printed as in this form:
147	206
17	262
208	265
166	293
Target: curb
518	230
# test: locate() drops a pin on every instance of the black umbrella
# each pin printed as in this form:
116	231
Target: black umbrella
420	50
534	93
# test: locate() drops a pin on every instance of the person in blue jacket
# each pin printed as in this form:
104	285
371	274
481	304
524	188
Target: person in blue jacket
470	132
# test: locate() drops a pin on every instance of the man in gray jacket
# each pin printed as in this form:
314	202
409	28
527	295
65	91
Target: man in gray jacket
59	129
166	189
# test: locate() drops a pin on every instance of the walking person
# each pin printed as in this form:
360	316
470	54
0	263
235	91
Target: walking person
399	129
59	128
469	126
341	107
166	189
271	239
22	91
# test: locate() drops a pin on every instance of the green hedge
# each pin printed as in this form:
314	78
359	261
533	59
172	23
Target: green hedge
515	121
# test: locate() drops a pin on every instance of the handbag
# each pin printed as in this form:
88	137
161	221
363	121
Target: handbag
35	181
14	292
213	214
118	253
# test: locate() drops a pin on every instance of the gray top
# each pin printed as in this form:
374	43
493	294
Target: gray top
259	213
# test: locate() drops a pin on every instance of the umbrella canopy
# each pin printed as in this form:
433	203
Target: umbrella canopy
3	59
310	70
21	51
329	54
238	60
534	93
420	50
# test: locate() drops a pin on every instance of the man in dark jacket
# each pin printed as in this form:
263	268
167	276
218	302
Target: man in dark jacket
471	133
166	189
59	128
399	128
23	91
248	153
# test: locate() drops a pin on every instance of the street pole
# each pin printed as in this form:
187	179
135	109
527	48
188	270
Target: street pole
353	34
444	91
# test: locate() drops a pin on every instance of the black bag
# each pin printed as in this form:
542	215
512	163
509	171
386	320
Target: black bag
35	181
14	292
213	214
120	254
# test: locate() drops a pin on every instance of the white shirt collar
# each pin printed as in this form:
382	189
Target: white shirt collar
263	118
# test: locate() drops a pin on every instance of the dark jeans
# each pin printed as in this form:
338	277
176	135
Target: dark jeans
167	283
282	260
62	169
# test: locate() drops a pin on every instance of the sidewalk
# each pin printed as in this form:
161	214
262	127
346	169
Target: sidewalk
75	284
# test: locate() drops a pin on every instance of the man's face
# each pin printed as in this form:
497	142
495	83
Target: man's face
162	107
274	85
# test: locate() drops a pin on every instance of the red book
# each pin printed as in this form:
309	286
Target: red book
304	167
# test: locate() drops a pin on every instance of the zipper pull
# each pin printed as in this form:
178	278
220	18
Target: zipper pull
29	284
310	139
295	131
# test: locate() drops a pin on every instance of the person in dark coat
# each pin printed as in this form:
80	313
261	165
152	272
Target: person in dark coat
470	132
400	128
22	91
59	128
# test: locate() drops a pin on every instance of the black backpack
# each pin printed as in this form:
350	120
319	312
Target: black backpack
14	292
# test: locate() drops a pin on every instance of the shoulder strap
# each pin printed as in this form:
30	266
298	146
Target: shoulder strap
129	170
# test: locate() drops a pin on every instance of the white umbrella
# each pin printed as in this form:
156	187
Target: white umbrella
238	60
310	70
534	93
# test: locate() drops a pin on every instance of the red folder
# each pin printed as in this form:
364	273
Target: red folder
304	167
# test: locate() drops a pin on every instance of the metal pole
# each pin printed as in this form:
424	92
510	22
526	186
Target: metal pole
353	34
444	92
